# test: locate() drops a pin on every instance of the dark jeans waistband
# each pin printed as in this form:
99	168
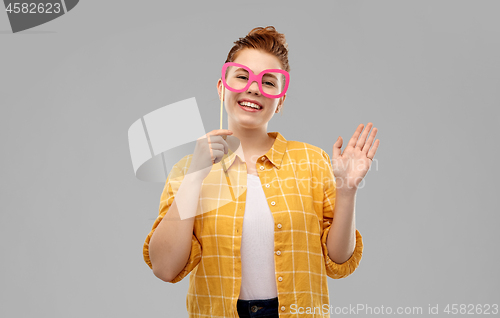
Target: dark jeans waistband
258	308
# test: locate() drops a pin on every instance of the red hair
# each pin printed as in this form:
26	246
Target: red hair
265	39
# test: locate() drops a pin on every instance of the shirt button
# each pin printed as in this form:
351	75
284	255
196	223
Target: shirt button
261	167
280	279
273	203
263	158
267	185
279	225
278	253
283	308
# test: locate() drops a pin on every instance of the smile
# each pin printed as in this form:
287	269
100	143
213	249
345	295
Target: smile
249	107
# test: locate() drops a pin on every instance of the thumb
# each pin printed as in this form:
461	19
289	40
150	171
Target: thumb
337	146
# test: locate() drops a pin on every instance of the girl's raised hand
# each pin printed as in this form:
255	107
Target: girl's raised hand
351	166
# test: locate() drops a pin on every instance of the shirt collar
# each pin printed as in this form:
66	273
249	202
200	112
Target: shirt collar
275	154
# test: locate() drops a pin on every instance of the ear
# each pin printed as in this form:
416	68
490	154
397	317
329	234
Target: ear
282	100
219	88
280	103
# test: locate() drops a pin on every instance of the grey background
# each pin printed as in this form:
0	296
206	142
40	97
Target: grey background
426	73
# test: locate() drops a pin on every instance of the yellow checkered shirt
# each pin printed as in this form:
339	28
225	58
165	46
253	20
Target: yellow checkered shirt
297	179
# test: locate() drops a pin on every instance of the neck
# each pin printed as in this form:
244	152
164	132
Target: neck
254	142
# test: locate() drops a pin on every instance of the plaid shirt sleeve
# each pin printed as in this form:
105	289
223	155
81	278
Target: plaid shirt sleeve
335	270
172	185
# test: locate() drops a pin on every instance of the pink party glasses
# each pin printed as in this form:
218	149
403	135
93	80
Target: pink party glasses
273	83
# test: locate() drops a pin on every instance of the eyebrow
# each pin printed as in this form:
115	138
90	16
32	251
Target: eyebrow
241	69
271	75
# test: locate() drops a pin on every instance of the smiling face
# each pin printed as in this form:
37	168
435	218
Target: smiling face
244	117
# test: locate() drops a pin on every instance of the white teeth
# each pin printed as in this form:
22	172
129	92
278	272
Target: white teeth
250	105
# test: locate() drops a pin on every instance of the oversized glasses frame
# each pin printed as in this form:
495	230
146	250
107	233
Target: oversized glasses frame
255	78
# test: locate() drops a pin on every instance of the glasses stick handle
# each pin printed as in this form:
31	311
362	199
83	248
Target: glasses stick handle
222	161
221	106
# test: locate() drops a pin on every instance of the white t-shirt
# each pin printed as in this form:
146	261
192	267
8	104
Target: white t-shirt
258	275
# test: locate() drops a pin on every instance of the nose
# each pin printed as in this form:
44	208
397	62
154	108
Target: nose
254	88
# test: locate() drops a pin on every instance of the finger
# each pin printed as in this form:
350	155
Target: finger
218	156
368	144
354	138
218	146
362	139
225	146
212	146
220	132
337	148
371	153
212	157
217	140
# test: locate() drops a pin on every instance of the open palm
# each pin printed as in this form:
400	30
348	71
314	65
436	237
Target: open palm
351	166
